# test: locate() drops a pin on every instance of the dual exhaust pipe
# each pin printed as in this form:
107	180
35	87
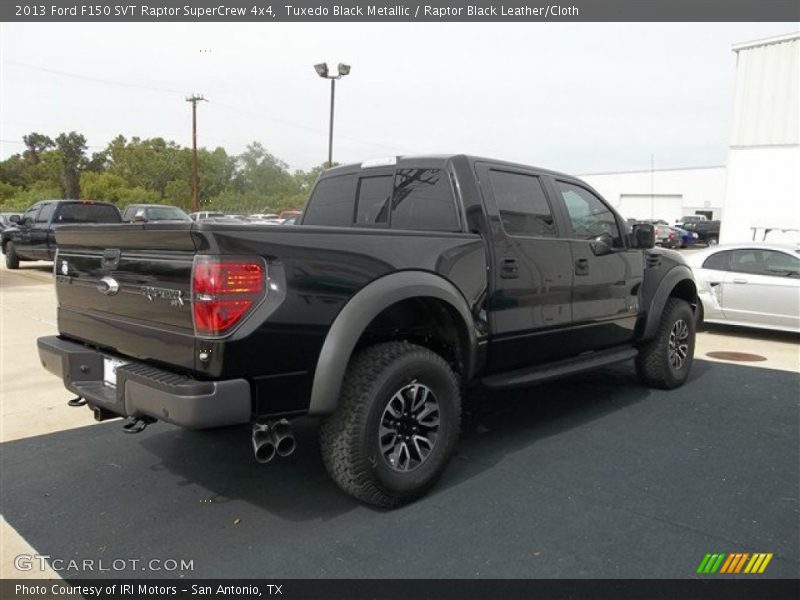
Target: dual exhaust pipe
274	437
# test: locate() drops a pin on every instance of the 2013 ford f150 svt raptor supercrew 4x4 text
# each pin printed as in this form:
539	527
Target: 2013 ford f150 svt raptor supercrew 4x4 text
407	281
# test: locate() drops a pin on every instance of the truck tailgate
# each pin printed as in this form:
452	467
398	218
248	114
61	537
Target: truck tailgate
127	289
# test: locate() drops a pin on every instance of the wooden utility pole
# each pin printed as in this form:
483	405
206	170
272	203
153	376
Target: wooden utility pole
194	99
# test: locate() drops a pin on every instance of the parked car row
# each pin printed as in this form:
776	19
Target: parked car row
286	217
688	231
31	235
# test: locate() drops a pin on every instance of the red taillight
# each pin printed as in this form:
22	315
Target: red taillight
223	291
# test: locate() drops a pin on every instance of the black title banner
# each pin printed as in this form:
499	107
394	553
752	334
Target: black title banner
398	11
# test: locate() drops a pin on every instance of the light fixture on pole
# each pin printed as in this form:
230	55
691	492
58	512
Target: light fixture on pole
323	71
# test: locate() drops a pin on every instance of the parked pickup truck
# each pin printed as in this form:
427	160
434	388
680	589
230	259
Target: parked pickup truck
707	231
32	236
408	281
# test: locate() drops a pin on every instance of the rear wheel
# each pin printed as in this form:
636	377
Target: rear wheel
396	426
665	361
12	260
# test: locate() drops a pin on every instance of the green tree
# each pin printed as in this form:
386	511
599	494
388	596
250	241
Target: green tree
36	144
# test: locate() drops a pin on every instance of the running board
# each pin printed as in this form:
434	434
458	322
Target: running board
562	368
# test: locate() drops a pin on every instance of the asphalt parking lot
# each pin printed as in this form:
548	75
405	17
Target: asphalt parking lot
594	476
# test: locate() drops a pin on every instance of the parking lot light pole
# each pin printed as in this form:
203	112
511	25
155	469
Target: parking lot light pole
322	71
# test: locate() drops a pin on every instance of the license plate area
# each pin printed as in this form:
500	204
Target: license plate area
110	366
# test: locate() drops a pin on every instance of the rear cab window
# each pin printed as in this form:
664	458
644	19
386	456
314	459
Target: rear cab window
401	197
86	212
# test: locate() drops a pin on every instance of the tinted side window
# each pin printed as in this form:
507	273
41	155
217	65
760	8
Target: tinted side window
373	200
590	217
423	200
87	213
522	204
764	262
781	264
46	212
332	202
719	262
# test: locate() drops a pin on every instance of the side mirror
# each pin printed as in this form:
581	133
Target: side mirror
601	245
644	235
14	218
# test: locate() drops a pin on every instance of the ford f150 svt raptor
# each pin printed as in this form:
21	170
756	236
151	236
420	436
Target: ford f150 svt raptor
408	280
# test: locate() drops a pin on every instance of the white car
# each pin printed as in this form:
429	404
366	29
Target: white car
751	284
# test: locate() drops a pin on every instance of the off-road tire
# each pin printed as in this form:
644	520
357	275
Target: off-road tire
653	364
349	437
12	260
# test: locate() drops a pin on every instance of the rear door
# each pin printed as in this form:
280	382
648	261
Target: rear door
531	275
606	285
763	288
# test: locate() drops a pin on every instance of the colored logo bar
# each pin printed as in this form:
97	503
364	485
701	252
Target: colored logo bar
735	562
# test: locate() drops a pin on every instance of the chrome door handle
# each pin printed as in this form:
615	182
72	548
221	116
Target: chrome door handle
740	281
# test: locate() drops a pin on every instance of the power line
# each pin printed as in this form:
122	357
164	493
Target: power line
222	104
95	79
306	127
23	143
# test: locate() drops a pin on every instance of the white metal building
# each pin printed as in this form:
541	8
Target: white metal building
759	188
667	194
763	184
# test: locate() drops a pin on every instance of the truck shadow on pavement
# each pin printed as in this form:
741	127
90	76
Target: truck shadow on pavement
221	462
200	493
298	488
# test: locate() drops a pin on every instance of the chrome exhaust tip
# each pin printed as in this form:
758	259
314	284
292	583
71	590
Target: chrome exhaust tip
271	438
263	444
286	445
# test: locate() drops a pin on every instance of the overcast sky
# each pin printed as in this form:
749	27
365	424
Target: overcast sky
573	97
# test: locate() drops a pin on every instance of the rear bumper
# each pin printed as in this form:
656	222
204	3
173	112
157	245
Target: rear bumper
143	390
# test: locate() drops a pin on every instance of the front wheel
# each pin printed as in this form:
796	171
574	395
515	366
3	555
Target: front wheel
12	260
396	425
713	241
665	361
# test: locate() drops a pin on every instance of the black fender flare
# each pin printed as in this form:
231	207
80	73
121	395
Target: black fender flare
359	312
673	277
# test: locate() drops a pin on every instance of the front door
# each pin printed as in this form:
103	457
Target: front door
40	231
608	272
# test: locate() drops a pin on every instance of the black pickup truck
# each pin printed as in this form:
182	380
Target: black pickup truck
408	281
32	236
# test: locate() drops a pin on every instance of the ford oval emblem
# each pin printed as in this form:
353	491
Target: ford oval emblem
108	286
